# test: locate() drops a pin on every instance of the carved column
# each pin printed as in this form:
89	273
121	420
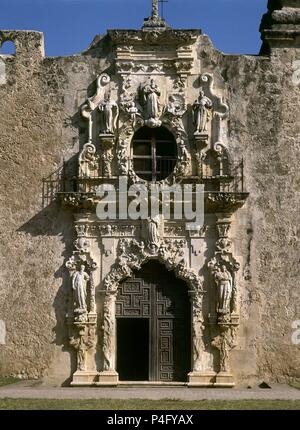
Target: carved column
199	377
224	319
82	320
107	143
109	376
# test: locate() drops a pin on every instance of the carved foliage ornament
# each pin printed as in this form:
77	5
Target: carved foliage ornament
131	255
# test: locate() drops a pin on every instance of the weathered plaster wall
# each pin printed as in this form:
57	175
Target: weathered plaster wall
40	101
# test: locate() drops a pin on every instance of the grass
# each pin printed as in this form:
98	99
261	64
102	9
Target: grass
139	404
295	385
7	380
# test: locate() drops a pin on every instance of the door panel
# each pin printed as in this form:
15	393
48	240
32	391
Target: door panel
133	349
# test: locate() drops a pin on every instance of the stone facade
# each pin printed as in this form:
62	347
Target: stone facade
67	126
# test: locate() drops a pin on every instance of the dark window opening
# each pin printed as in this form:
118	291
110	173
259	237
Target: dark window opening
154	153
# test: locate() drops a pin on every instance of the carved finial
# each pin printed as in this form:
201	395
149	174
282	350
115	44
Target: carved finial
155	9
155	22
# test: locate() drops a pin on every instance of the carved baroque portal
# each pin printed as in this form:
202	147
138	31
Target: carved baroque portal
160	90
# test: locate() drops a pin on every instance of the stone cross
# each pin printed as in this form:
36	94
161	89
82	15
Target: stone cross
154	8
162	2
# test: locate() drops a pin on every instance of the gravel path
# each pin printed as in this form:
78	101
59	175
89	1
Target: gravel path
40	391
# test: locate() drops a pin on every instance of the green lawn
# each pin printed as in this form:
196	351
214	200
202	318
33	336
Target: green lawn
139	404
295	385
8	380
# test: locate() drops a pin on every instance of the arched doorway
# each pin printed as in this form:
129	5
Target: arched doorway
153	326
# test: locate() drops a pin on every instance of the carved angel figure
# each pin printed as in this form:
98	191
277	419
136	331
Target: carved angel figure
110	113
79	285
224	282
201	112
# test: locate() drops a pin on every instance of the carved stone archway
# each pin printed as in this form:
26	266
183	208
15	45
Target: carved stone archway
132	255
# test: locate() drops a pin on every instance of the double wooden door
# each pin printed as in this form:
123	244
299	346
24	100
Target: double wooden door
153	326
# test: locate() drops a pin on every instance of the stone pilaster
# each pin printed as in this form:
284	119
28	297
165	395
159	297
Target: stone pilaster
280	26
109	376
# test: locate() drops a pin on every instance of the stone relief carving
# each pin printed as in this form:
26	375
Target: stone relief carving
150	100
176	105
169	37
210	109
198	329
82	341
108	328
223	268
79	285
85	231
225	342
81	268
88	161
86	112
110	113
89	106
201	109
81	315
223	280
131	255
153	225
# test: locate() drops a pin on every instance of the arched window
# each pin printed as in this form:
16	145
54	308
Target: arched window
154	153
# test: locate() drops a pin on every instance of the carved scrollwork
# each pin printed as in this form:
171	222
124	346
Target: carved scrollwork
82	244
131	255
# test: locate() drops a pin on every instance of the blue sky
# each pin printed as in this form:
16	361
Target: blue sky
70	25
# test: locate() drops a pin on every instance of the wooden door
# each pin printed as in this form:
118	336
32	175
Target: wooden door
158	296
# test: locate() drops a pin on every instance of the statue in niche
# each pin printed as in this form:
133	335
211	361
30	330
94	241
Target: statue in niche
224	282
79	285
110	113
151	94
152	232
201	112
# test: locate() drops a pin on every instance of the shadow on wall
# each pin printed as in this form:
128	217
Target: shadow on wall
54	221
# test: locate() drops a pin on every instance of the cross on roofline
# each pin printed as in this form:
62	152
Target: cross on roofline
155	13
162	2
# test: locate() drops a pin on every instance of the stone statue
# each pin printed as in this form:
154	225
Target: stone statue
151	94
201	112
133	111
153	233
110	112
79	285
224	282
88	161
